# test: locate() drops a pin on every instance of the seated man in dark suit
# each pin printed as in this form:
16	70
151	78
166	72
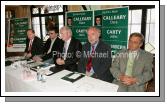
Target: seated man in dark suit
96	59
52	44
33	44
132	67
68	59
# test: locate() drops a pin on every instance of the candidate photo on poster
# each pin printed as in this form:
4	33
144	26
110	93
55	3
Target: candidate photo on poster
98	20
69	21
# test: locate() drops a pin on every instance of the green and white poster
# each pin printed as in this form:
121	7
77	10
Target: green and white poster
17	36
113	24
79	22
114	27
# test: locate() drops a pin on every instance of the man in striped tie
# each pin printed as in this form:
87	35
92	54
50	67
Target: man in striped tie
96	57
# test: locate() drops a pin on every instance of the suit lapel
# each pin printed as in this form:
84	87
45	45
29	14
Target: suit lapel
97	50
50	41
33	43
138	58
87	49
126	56
125	59
70	46
98	46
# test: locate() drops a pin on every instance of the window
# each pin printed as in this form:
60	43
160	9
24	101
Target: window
61	19
51	9
150	31
35	11
134	21
49	22
46	17
36	26
135	24
44	30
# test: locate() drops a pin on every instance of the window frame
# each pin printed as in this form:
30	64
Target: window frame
48	14
143	18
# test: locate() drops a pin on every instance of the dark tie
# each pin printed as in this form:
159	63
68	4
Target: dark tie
89	64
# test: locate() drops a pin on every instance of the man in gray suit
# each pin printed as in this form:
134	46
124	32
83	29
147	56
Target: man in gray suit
132	68
96	59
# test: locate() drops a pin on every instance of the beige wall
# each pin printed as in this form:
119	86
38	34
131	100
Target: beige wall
74	7
109	6
93	7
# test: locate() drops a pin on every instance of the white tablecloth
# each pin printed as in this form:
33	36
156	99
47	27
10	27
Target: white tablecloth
14	82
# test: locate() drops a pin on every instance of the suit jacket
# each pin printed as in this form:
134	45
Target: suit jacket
56	47
72	60
36	48
142	69
101	64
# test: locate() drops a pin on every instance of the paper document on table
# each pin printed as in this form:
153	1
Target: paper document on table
35	64
48	72
74	76
16	58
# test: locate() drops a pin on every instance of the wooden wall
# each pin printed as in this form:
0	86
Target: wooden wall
20	11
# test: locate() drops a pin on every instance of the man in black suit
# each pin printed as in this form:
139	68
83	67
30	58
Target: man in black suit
96	59
33	44
54	43
68	58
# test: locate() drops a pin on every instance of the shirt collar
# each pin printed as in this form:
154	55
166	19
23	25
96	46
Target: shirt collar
95	44
32	40
53	39
68	41
134	51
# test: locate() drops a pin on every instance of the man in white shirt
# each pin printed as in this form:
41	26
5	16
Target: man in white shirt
68	59
33	44
52	44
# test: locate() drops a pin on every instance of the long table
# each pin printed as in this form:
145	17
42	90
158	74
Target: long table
15	82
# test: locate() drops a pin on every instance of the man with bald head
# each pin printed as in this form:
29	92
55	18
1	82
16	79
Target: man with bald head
68	58
34	44
96	57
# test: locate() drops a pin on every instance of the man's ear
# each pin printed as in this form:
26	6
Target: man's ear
99	35
141	44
